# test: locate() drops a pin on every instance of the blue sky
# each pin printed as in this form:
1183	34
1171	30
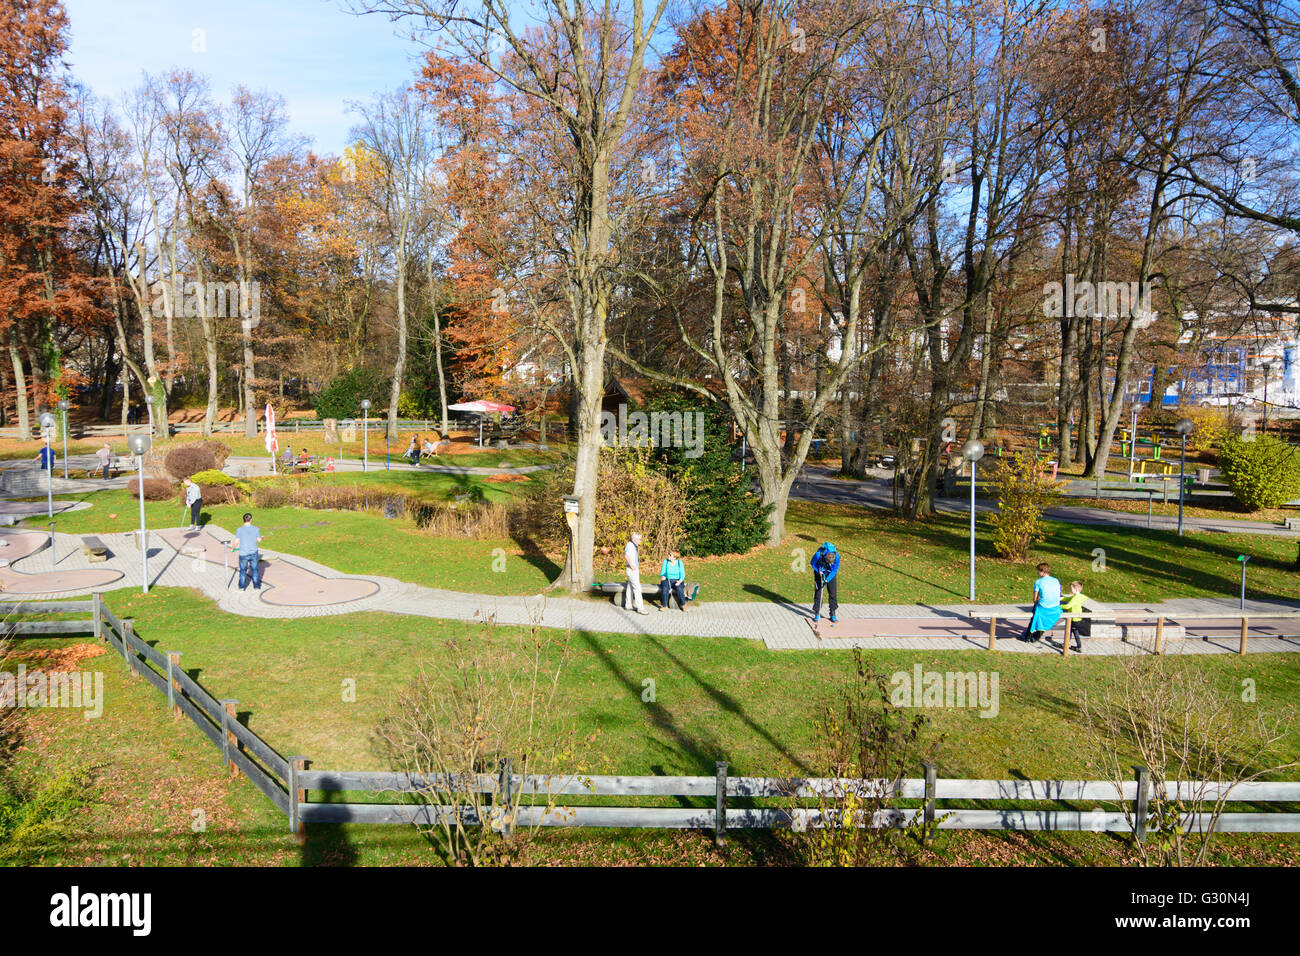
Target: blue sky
313	53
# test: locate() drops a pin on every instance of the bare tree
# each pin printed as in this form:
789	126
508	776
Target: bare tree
582	65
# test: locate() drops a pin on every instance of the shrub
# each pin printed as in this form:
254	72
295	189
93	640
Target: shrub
1262	473
722	516
1024	492
1210	426
220	451
630	496
187	460
220	494
155	489
270	495
342	397
211	478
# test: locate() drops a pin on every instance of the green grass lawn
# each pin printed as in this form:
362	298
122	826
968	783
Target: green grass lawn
715	699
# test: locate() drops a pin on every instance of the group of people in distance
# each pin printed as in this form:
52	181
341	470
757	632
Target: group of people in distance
419	448
304	459
1047	611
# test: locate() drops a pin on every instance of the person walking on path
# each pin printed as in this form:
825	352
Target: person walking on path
247	538
1047	604
672	581
46	457
193	501
105	456
632	558
825	566
1080	627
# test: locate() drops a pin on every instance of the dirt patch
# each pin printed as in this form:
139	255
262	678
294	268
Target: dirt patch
60	660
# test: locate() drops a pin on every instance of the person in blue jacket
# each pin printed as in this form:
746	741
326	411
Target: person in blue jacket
825	566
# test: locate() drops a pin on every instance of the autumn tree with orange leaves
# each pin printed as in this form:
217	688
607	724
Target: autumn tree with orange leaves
46	292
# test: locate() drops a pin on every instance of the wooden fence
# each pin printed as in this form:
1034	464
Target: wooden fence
528	800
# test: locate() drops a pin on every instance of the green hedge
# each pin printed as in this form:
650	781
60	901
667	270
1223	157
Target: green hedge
1263	472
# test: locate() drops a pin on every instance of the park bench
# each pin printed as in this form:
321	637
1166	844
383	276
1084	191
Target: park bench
615	588
94	548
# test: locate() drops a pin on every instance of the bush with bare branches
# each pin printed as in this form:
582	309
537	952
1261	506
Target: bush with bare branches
487	710
1197	740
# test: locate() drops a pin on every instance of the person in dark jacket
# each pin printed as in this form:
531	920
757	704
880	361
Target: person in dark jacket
825	567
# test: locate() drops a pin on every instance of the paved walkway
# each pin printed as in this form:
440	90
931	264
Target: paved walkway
241	466
298	588
819	484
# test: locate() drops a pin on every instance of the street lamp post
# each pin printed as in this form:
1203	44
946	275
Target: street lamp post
365	434
139	445
1243	558
1184	428
972	451
63	407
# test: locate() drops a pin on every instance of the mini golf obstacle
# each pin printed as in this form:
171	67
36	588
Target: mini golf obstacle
284	584
16	545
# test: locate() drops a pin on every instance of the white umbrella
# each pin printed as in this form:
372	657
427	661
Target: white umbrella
483	407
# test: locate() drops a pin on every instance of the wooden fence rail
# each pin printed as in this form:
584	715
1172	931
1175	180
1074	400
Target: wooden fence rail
529	800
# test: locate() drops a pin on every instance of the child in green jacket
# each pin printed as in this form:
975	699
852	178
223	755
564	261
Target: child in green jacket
1080	626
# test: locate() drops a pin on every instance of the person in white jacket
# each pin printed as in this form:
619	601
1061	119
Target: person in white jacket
194	502
632	556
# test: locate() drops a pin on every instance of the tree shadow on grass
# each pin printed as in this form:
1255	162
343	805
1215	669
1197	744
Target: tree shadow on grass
778	599
703	754
730	705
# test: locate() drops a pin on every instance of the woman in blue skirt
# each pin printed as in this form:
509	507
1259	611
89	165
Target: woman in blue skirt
1047	604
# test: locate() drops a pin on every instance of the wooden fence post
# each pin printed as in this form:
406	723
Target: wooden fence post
228	741
1140	809
173	683
1241	649
927	815
1066	646
128	631
296	797
720	815
97	614
993	628
1160	633
506	786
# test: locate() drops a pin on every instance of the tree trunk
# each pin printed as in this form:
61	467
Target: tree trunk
20	389
437	346
399	366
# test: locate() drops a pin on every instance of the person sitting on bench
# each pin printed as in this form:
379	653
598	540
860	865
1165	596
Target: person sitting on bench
672	580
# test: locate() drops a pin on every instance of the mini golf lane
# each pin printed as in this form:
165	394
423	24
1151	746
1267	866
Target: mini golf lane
283	584
23	544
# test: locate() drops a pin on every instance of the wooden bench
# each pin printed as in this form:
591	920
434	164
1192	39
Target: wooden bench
93	548
615	589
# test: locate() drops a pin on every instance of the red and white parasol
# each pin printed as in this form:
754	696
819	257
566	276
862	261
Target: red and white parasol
272	443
